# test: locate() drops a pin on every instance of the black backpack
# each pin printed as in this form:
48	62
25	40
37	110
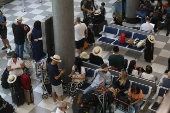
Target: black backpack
4	78
90	38
90	99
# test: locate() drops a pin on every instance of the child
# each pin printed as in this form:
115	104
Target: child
102	9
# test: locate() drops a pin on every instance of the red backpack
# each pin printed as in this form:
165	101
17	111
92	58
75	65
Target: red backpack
25	81
122	38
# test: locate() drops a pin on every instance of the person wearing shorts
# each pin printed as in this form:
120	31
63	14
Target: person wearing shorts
3	32
55	78
81	32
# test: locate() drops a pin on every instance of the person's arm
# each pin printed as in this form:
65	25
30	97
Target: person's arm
72	72
81	77
162	11
129	94
137	101
86	32
4	23
84	7
28	36
40	38
138	67
22	66
58	76
10	69
160	100
83	73
108	79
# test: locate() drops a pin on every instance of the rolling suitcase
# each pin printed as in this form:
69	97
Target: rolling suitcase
17	94
4	78
29	96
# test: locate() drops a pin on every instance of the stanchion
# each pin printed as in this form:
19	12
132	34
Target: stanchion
23	6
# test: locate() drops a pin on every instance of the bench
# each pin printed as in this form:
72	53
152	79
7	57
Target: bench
110	36
159	93
130	77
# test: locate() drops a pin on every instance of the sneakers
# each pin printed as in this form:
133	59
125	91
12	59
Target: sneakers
3	48
55	103
70	100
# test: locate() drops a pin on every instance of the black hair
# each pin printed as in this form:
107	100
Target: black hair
135	89
147	19
78	19
78	62
131	66
148	69
37	24
1	12
103	4
14	55
116	49
104	66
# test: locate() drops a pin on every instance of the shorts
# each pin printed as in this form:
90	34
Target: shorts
3	33
58	89
80	43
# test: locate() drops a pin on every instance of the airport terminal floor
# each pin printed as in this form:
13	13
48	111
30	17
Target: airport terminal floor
37	11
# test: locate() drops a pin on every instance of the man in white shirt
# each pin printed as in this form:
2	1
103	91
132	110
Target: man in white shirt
61	107
81	32
147	26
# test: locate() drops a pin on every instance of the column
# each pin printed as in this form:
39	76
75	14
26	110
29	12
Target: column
131	7
63	23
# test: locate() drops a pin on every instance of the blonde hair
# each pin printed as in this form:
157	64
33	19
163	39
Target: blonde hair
124	77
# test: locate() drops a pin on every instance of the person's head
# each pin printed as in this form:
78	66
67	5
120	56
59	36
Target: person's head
19	20
90	0
62	105
1	13
102	4
14	57
77	64
105	67
159	4
37	24
148	69
123	76
152	1
169	74
131	66
144	1
135	89
77	20
147	19
115	49
55	59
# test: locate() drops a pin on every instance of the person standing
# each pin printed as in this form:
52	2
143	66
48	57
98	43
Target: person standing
3	31
55	78
19	37
36	41
87	8
81	32
148	52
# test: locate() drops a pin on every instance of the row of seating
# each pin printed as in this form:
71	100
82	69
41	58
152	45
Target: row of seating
130	77
91	74
110	36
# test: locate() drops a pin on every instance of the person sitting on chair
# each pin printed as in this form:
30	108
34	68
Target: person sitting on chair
147	26
103	76
166	81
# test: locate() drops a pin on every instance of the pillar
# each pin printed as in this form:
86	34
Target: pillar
63	24
131	7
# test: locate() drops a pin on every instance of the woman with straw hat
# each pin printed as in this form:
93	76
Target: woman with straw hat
148	53
95	56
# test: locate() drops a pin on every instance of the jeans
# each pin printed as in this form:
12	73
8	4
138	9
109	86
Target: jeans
137	106
19	50
88	90
27	47
143	14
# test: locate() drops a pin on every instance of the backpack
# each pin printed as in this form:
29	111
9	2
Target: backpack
28	67
122	38
25	81
90	38
90	99
4	78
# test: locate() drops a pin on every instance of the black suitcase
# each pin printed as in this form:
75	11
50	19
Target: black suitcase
5	107
17	93
4	78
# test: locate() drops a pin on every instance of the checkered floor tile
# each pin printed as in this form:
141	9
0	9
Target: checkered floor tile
37	11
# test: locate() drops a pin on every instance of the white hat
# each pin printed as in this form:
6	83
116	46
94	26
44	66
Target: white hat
11	79
56	58
97	12
97	51
151	38
19	19
84	55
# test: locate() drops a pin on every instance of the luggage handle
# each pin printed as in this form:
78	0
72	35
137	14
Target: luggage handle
122	102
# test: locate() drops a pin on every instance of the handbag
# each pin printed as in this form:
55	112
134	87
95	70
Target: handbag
141	43
76	79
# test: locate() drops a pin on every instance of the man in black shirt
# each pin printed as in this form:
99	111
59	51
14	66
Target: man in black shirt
19	37
87	8
55	78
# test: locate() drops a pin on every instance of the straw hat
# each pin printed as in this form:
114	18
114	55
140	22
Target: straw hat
151	38
84	55
97	51
11	79
56	58
19	19
97	12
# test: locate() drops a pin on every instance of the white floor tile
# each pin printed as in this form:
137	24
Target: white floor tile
36	11
76	13
109	15
20	13
159	44
16	2
164	53
18	8
25	108
38	17
39	89
34	6
48	4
